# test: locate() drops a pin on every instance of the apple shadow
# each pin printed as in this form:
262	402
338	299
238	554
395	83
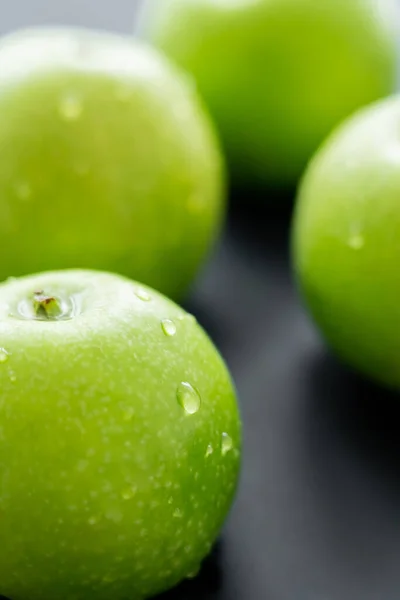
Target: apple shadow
205	586
250	263
260	221
362	415
349	454
206	317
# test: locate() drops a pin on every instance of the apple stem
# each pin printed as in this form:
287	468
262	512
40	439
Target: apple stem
47	307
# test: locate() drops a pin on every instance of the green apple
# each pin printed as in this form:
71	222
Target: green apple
107	160
119	439
278	74
346	240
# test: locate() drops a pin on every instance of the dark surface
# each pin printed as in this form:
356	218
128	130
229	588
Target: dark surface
318	511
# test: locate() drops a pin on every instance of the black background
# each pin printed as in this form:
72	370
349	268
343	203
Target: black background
317	515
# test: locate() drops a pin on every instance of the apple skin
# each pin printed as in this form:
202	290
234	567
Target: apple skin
108	160
108	487
278	75
346	241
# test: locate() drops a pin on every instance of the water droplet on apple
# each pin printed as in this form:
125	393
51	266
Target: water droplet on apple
226	444
168	327
4	355
209	450
188	397
177	514
356	241
193	574
188	318
129	414
13	377
114	514
143	295
71	107
82	465
93	520
23	190
129	493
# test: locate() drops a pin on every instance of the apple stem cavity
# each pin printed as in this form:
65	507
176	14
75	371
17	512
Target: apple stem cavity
40	306
46	307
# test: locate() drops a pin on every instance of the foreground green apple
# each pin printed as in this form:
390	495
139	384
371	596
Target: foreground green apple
119	439
107	160
278	74
346	241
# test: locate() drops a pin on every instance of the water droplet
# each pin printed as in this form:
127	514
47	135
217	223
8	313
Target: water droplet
170	500
13	377
209	450
4	355
226	444
71	107
193	574
114	514
188	398
143	295
168	327
129	493
188	318
356	241
177	514
129	414
82	465
23	190
93	520
191	318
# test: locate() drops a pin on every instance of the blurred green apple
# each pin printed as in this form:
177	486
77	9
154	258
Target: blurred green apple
119	439
346	240
107	160
278	74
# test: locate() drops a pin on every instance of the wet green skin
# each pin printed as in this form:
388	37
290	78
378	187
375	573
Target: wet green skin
107	160
278	74
108	487
346	241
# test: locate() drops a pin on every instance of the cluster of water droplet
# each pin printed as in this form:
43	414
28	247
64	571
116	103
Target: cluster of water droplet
187	396
4	356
